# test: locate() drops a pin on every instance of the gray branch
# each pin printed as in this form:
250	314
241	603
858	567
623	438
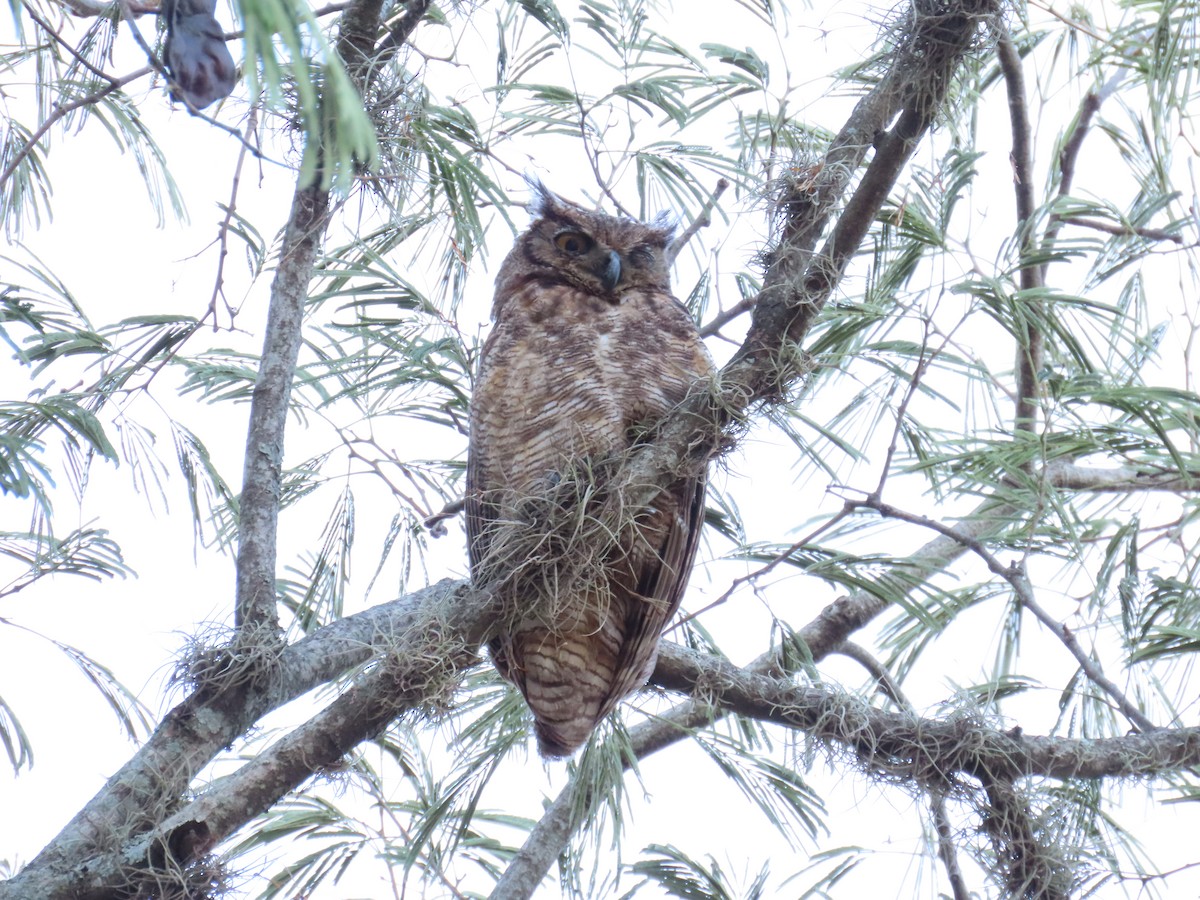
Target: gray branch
903	745
258	510
822	636
418	645
446	622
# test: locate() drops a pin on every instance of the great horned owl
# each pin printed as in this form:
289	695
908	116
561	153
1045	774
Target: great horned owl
589	350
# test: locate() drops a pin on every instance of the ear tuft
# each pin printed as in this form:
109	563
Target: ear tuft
665	226
542	200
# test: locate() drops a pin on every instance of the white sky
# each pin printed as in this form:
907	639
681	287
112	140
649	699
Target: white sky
105	244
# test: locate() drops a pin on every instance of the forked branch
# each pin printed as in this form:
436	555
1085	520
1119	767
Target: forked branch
796	286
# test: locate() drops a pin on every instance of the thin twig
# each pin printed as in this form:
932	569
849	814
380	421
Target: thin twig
79	57
779	558
887	685
589	151
1152	234
702	220
946	847
1031	346
60	111
223	232
714	325
1068	156
350	443
923	361
1070	22
1019	581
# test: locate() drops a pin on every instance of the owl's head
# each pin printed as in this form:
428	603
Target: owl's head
604	256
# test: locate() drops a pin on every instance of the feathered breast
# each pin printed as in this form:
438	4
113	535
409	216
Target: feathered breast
568	383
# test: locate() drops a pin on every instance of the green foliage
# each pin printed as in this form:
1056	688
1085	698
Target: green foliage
288	49
896	479
16	742
681	876
27	198
790	806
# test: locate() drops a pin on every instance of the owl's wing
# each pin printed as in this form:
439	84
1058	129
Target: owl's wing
661	583
490	388
477	512
480	517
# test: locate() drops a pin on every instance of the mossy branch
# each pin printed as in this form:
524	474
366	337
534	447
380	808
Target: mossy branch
797	284
421	643
117	839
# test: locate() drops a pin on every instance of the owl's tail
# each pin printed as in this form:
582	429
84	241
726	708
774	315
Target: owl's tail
568	680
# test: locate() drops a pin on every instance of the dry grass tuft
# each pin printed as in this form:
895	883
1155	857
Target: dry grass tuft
218	659
549	554
204	878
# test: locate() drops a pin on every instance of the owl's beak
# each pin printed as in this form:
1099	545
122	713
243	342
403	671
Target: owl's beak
610	270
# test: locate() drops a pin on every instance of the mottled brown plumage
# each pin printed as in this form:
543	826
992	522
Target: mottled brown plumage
589	350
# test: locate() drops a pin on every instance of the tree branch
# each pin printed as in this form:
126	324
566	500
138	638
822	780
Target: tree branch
399	33
1123	479
702	220
142	802
883	678
822	636
714	325
1019	581
62	110
1028	867
1151	234
224	229
908	746
1068	156
1031	347
417	629
256	615
947	850
58	39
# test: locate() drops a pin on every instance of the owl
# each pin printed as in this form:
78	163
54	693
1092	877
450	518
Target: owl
589	350
202	71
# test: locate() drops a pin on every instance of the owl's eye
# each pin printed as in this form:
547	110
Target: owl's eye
572	242
641	255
